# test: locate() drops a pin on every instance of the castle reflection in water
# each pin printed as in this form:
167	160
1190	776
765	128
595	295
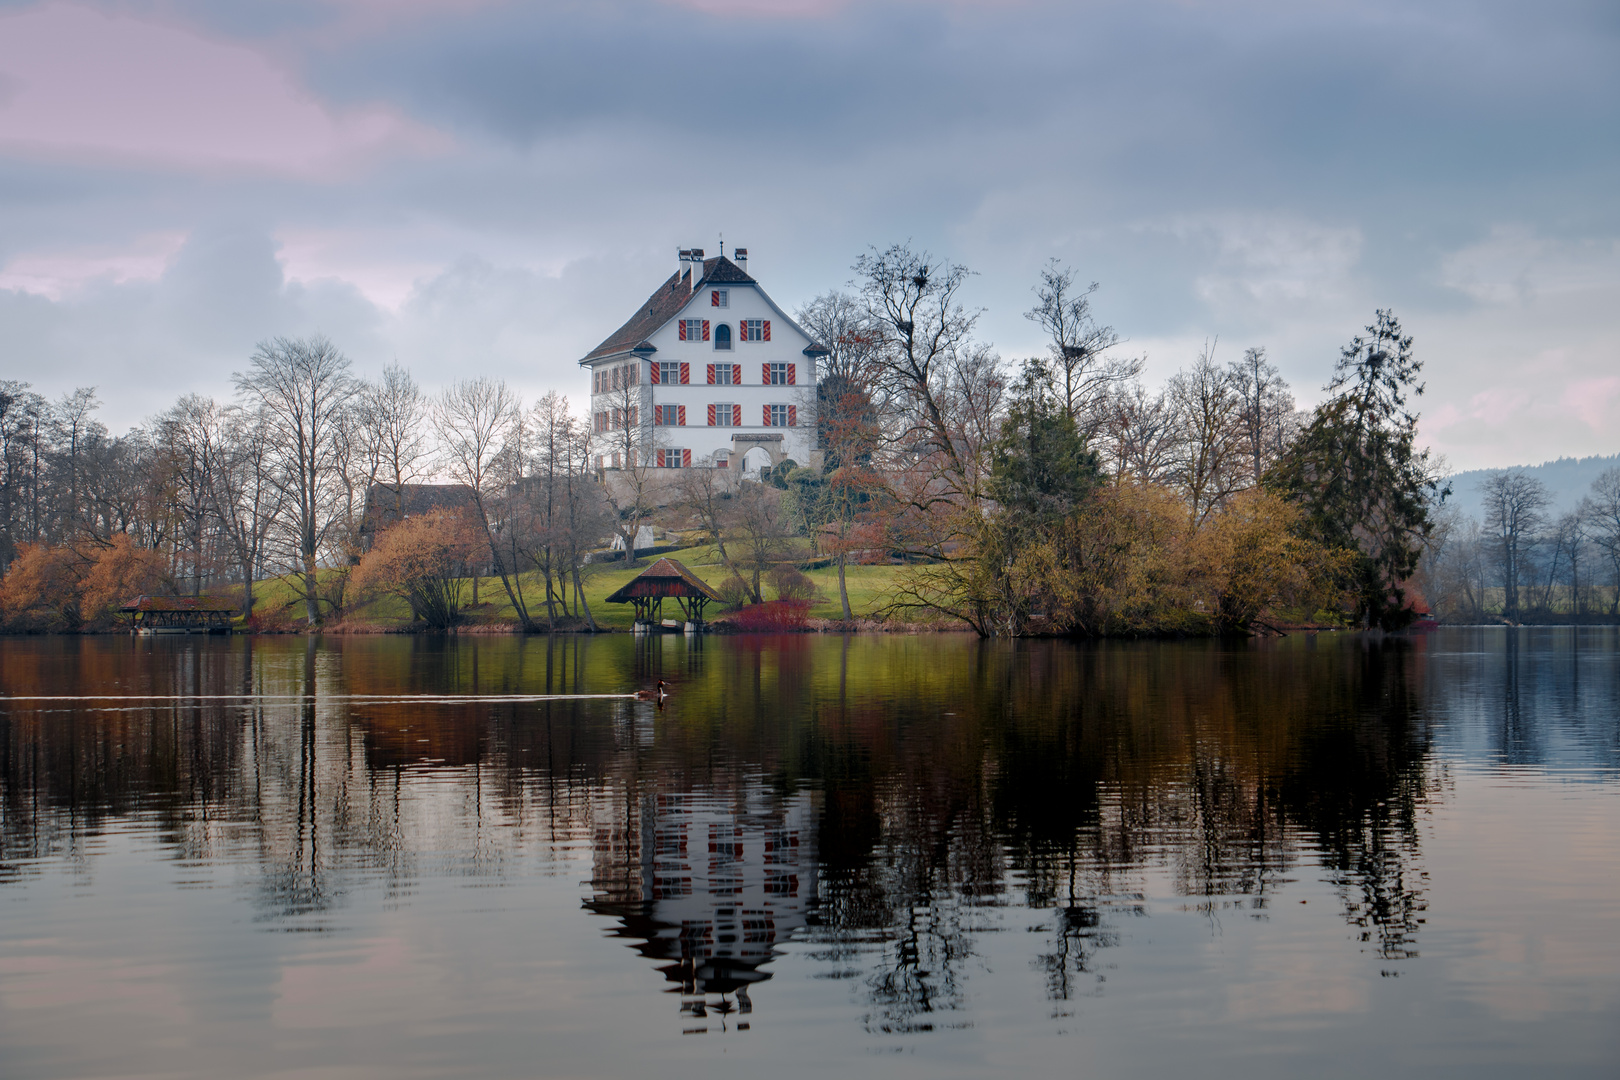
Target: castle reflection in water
706	884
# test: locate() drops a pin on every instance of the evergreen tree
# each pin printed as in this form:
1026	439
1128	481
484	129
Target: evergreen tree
1358	476
1040	467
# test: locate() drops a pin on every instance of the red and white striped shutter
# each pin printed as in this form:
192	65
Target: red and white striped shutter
686	459
683	329
793	416
767	416
792	373
714	298
705	329
660	459
711	416
765	374
711	374
767	329
686	373
656	375
680	415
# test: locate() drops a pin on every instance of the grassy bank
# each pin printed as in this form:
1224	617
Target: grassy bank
869	589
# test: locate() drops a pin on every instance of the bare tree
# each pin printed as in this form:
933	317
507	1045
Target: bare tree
587	514
1141	437
1515	503
75	427
393	430
1084	375
760	528
709	495
191	436
19	408
247	495
1566	535
1267	411
1603	515
304	387
626	443
475	419
1206	412
916	300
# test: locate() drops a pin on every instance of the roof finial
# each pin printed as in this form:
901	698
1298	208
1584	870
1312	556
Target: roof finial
722	245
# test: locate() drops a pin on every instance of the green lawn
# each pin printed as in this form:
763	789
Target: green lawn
869	589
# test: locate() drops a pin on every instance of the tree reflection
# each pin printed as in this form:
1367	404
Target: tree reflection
877	799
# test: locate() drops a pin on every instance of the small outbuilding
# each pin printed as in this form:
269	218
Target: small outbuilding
180	614
664	579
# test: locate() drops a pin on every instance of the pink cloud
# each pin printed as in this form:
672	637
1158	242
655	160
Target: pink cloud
81	84
57	273
1594	400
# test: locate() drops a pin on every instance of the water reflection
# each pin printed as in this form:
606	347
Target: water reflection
883	803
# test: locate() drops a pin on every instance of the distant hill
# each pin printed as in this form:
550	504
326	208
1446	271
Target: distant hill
1568	479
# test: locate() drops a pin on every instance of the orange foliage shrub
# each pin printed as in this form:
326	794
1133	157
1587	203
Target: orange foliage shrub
79	586
121	572
422	559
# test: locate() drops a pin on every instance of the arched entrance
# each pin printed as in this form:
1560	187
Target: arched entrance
755	459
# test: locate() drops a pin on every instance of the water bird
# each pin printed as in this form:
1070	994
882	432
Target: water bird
658	694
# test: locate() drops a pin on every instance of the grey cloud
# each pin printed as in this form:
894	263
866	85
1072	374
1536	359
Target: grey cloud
1207	163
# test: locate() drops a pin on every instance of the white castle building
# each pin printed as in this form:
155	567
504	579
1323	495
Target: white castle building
710	373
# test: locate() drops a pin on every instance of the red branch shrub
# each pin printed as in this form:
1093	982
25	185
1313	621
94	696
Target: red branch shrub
772	617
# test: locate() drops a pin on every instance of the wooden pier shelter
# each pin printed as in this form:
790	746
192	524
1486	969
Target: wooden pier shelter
180	614
666	578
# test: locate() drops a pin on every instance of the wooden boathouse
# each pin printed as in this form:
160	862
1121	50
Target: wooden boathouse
666	579
180	614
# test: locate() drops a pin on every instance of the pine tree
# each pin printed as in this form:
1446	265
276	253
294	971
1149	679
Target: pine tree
1358	475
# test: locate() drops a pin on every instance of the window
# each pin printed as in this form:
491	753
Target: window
780	374
754	329
779	415
669	415
722	460
671	374
724	375
722	336
694	329
674	459
720	298
724	416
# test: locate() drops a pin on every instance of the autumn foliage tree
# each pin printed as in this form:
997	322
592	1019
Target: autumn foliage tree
424	560
70	587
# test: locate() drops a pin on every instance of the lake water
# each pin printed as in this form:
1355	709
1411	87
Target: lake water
904	856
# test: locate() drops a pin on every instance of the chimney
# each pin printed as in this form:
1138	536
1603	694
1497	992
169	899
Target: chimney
697	267
740	257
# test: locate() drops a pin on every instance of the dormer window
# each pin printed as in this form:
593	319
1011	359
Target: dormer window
722	336
720	298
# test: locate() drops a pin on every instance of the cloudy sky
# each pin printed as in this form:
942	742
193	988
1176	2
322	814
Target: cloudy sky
472	186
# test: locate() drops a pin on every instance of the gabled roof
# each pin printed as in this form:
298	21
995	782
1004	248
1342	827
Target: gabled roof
666	577
384	506
665	303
